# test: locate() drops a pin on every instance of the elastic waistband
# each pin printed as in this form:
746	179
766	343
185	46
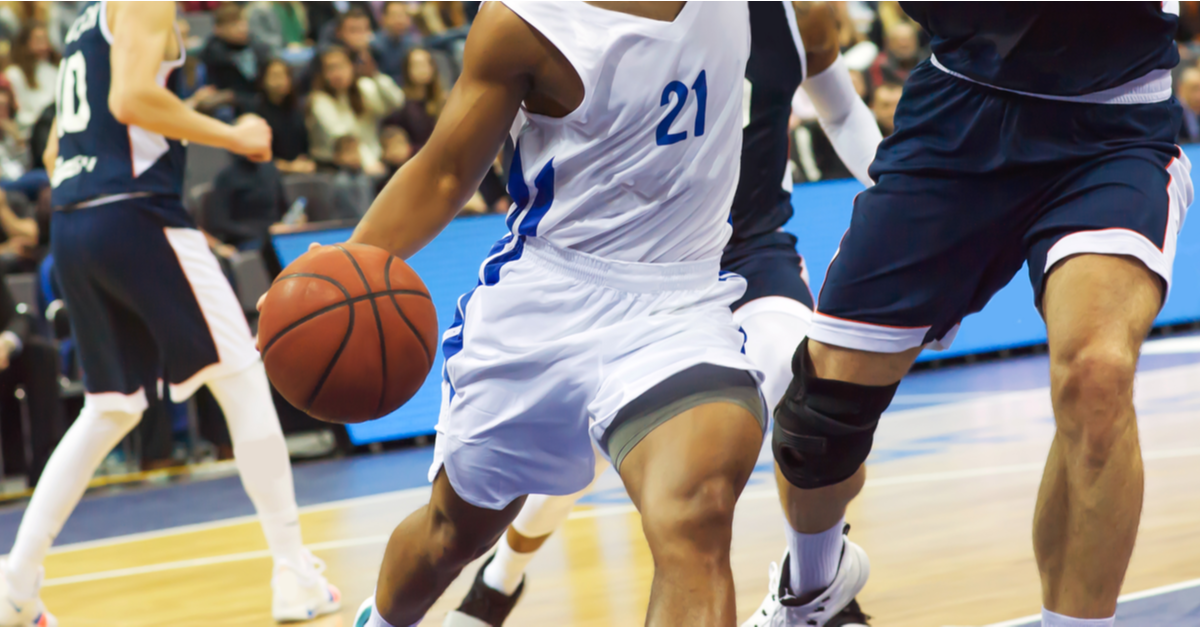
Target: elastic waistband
103	200
624	275
1154	86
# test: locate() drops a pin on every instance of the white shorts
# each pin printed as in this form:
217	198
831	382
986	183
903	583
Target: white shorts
551	345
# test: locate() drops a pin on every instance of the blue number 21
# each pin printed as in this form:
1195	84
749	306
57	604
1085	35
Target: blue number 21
663	135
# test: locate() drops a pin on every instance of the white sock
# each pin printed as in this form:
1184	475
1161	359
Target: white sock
1050	619
70	467
262	460
814	558
507	569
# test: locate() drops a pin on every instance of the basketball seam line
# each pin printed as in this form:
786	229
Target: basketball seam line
387	282
383	386
328	308
312	397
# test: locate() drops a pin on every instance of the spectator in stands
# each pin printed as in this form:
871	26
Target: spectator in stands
354	34
189	83
1187	91
397	150
883	104
247	198
901	54
16	173
323	19
353	190
232	58
394	40
278	25
343	104
33	74
443	27
423	98
279	105
29	361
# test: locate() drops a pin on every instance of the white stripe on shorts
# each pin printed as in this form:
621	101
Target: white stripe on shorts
1131	243
220	308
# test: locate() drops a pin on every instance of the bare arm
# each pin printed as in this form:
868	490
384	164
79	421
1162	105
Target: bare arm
51	151
499	62
819	28
142	33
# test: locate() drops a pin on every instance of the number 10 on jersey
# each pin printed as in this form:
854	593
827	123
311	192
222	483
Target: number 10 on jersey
663	135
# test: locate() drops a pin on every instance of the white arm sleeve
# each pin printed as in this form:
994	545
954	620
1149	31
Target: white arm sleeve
846	120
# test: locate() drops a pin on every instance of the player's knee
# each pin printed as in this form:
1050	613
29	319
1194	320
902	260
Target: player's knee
697	520
455	543
116	422
823	428
1093	391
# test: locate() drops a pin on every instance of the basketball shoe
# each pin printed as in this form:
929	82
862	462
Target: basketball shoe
834	606
302	594
23	612
484	606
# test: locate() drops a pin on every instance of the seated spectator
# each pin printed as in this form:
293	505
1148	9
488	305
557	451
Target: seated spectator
16	174
394	40
279	105
189	83
397	149
278	25
232	58
342	104
29	361
353	190
1188	92
33	74
901	54
883	104
354	34
323	18
423	98
443	27
247	198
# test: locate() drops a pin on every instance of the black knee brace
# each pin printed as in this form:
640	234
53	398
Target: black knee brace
824	429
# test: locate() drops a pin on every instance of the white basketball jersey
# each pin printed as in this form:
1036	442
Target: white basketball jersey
645	169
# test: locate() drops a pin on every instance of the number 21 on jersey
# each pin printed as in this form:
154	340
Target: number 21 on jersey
663	135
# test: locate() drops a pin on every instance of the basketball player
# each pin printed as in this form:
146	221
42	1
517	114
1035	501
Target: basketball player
774	312
147	298
603	316
1035	133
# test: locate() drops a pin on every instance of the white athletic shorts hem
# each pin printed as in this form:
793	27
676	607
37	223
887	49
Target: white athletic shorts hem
553	344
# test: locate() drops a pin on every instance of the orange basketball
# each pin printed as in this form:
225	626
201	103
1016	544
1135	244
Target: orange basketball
348	333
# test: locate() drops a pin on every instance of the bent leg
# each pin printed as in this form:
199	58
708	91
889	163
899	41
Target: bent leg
429	549
685	477
1098	310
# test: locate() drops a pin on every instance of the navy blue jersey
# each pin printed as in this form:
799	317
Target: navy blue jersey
774	71
97	155
1052	48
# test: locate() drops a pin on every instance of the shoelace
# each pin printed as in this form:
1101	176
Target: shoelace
308	576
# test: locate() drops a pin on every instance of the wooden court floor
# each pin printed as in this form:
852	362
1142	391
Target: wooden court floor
945	518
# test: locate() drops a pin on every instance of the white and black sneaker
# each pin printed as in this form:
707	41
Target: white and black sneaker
834	607
483	605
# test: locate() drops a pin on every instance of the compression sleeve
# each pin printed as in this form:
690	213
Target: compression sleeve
846	120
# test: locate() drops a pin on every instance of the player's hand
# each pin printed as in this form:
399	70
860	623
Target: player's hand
251	138
259	305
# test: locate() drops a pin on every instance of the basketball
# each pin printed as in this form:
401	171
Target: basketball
348	333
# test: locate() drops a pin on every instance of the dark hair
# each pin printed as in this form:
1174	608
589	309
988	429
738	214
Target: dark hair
24	59
6	89
353	13
432	93
227	12
289	101
318	79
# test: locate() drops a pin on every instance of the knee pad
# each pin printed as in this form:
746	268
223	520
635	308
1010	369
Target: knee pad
824	429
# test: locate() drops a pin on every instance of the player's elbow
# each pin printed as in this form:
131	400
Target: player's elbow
127	105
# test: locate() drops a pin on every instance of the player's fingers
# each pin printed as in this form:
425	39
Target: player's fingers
313	246
259	304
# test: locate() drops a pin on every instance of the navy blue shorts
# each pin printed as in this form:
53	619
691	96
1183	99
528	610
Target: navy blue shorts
771	267
974	182
147	301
